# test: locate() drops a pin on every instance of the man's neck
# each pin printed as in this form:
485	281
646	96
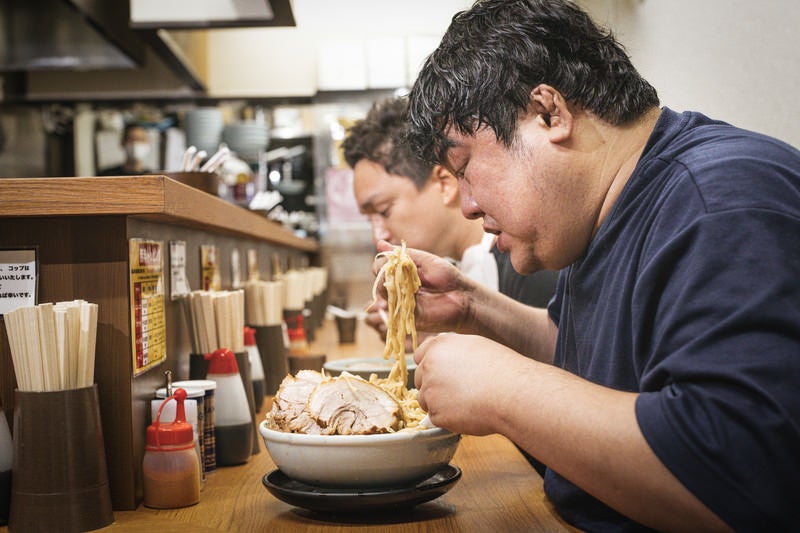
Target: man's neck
625	148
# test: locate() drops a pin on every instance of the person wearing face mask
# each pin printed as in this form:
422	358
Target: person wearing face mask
136	144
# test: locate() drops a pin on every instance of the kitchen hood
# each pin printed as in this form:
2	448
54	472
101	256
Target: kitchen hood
67	34
112	34
201	14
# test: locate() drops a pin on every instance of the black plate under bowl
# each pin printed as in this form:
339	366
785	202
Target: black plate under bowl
325	499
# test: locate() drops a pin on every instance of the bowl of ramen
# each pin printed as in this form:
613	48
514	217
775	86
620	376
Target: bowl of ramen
350	431
367	366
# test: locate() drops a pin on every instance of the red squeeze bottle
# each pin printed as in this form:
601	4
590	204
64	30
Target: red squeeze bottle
171	468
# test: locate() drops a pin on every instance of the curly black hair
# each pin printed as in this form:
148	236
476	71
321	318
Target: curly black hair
379	137
494	54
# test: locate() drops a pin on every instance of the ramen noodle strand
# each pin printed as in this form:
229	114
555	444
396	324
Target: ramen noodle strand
401	280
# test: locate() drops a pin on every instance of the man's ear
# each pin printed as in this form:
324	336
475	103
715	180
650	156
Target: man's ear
552	112
447	185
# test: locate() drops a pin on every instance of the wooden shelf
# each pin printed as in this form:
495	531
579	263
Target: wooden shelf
156	197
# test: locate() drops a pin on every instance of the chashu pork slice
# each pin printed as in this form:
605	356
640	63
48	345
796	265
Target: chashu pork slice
352	406
289	405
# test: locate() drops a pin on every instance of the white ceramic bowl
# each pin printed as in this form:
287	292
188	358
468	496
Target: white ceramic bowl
364	366
366	461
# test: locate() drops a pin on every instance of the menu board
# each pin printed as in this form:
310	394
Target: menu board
178	281
148	317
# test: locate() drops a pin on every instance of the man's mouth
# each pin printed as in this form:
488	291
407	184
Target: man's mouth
489	229
500	243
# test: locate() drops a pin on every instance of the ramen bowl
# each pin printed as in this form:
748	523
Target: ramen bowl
365	366
386	460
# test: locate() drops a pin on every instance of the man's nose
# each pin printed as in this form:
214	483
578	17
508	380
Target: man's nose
469	207
379	230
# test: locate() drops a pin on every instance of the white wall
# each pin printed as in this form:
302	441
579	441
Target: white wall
284	61
734	60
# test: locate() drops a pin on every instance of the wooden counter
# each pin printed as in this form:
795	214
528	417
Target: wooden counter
82	227
498	491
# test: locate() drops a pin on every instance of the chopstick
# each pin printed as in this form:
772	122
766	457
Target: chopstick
53	345
47	345
216	160
188	157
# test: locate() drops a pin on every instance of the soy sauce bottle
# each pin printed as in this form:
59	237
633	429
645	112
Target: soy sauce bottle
234	425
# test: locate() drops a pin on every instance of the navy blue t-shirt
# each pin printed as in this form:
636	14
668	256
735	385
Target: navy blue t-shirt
690	295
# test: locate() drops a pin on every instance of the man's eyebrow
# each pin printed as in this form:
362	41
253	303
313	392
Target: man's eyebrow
369	202
449	142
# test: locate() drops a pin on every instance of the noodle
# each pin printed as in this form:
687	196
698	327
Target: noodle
401	281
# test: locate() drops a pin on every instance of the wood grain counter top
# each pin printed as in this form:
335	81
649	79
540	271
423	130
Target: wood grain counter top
151	197
498	492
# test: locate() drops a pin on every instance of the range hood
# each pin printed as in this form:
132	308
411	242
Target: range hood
111	34
197	14
67	34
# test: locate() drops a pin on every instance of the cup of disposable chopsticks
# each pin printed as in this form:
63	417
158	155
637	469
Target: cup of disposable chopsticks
53	345
264	313
206	177
216	320
59	454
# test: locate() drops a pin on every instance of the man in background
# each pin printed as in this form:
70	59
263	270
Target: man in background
407	199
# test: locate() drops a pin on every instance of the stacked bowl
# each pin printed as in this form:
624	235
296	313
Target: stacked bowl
203	127
246	138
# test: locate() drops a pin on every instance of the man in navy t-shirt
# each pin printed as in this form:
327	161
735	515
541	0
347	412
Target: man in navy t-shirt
661	387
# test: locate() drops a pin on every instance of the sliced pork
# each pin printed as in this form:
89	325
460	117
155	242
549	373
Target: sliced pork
288	407
351	406
345	405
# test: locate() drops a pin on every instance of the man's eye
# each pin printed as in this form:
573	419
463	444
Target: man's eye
384	213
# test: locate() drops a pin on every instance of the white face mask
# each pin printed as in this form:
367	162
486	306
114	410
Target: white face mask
137	151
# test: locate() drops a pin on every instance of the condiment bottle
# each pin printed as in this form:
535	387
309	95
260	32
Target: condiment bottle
298	343
256	366
171	469
234	424
190	408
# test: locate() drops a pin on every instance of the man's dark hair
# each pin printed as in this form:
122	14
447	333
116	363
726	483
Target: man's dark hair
379	137
493	55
